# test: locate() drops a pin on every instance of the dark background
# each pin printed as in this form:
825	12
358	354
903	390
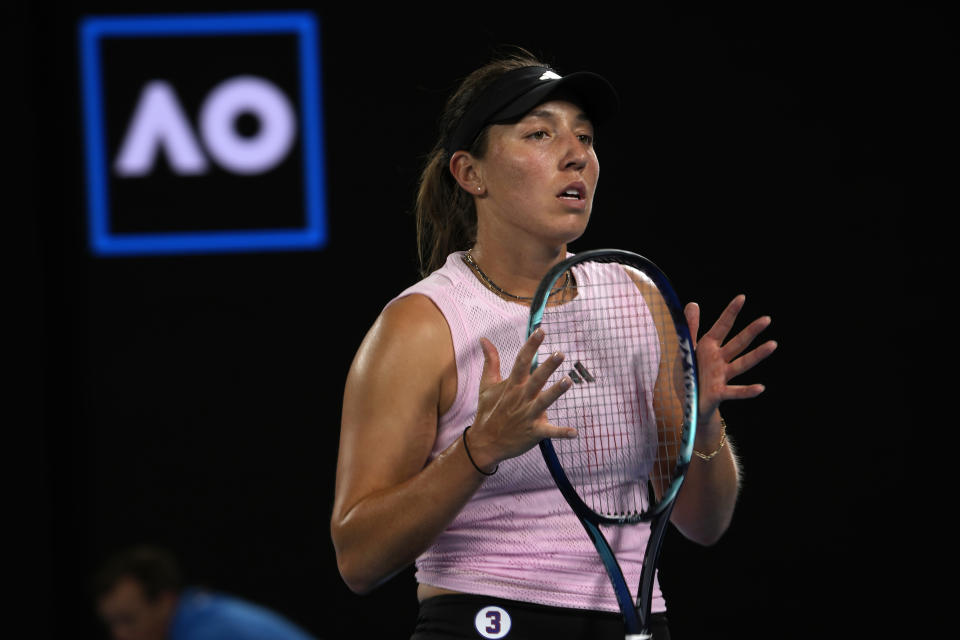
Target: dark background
193	401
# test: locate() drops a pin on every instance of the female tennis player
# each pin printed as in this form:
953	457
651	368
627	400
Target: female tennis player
442	414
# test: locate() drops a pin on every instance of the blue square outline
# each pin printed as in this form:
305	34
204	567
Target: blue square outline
104	243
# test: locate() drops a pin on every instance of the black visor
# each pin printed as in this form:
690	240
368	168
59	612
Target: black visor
516	92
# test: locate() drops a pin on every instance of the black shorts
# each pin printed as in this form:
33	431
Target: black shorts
471	616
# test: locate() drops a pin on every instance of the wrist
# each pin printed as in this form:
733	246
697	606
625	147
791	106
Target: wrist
711	452
484	469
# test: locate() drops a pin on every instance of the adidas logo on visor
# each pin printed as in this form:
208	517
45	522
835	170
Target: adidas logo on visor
549	75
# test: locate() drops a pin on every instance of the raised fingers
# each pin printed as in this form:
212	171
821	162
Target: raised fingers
547	398
743	392
543	372
692	313
521	366
549	395
491	364
532	384
742	340
724	323
750	359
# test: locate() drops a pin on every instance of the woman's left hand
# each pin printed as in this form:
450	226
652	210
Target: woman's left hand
718	363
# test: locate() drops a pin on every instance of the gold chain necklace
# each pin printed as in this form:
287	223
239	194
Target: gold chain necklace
468	258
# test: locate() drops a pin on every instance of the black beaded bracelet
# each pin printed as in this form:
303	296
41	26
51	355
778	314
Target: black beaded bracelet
467	449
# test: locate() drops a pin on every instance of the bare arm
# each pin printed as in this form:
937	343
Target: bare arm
707	499
706	502
389	504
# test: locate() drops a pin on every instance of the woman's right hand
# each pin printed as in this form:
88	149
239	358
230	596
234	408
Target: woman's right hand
390	504
511	413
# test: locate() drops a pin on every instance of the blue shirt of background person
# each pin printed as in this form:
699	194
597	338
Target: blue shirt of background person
204	615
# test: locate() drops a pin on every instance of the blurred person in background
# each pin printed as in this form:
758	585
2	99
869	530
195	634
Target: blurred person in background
140	595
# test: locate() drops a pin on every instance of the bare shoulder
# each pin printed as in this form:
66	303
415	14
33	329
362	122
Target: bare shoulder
415	316
397	386
651	294
642	280
658	307
411	332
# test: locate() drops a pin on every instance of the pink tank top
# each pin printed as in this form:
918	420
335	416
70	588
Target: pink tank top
517	538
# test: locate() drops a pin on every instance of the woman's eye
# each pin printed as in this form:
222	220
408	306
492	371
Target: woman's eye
539	135
586	139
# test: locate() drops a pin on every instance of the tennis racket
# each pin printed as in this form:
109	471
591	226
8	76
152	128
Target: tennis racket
634	402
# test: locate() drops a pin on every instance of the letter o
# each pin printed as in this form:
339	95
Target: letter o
271	143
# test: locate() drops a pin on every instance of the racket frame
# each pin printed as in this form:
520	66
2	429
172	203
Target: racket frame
633	612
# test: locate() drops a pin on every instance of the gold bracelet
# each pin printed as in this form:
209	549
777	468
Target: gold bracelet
723	441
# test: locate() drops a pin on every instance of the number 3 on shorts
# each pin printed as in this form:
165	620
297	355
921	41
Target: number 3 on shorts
492	622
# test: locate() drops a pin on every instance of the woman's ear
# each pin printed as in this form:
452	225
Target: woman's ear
466	171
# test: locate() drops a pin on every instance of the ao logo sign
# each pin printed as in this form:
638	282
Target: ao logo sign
203	133
160	122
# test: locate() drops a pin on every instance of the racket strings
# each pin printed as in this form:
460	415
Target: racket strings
609	335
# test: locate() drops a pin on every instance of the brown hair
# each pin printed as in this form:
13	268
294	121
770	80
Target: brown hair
156	569
446	215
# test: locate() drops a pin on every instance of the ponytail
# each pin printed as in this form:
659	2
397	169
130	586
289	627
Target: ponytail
446	214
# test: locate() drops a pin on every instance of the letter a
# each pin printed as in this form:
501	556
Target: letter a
159	121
